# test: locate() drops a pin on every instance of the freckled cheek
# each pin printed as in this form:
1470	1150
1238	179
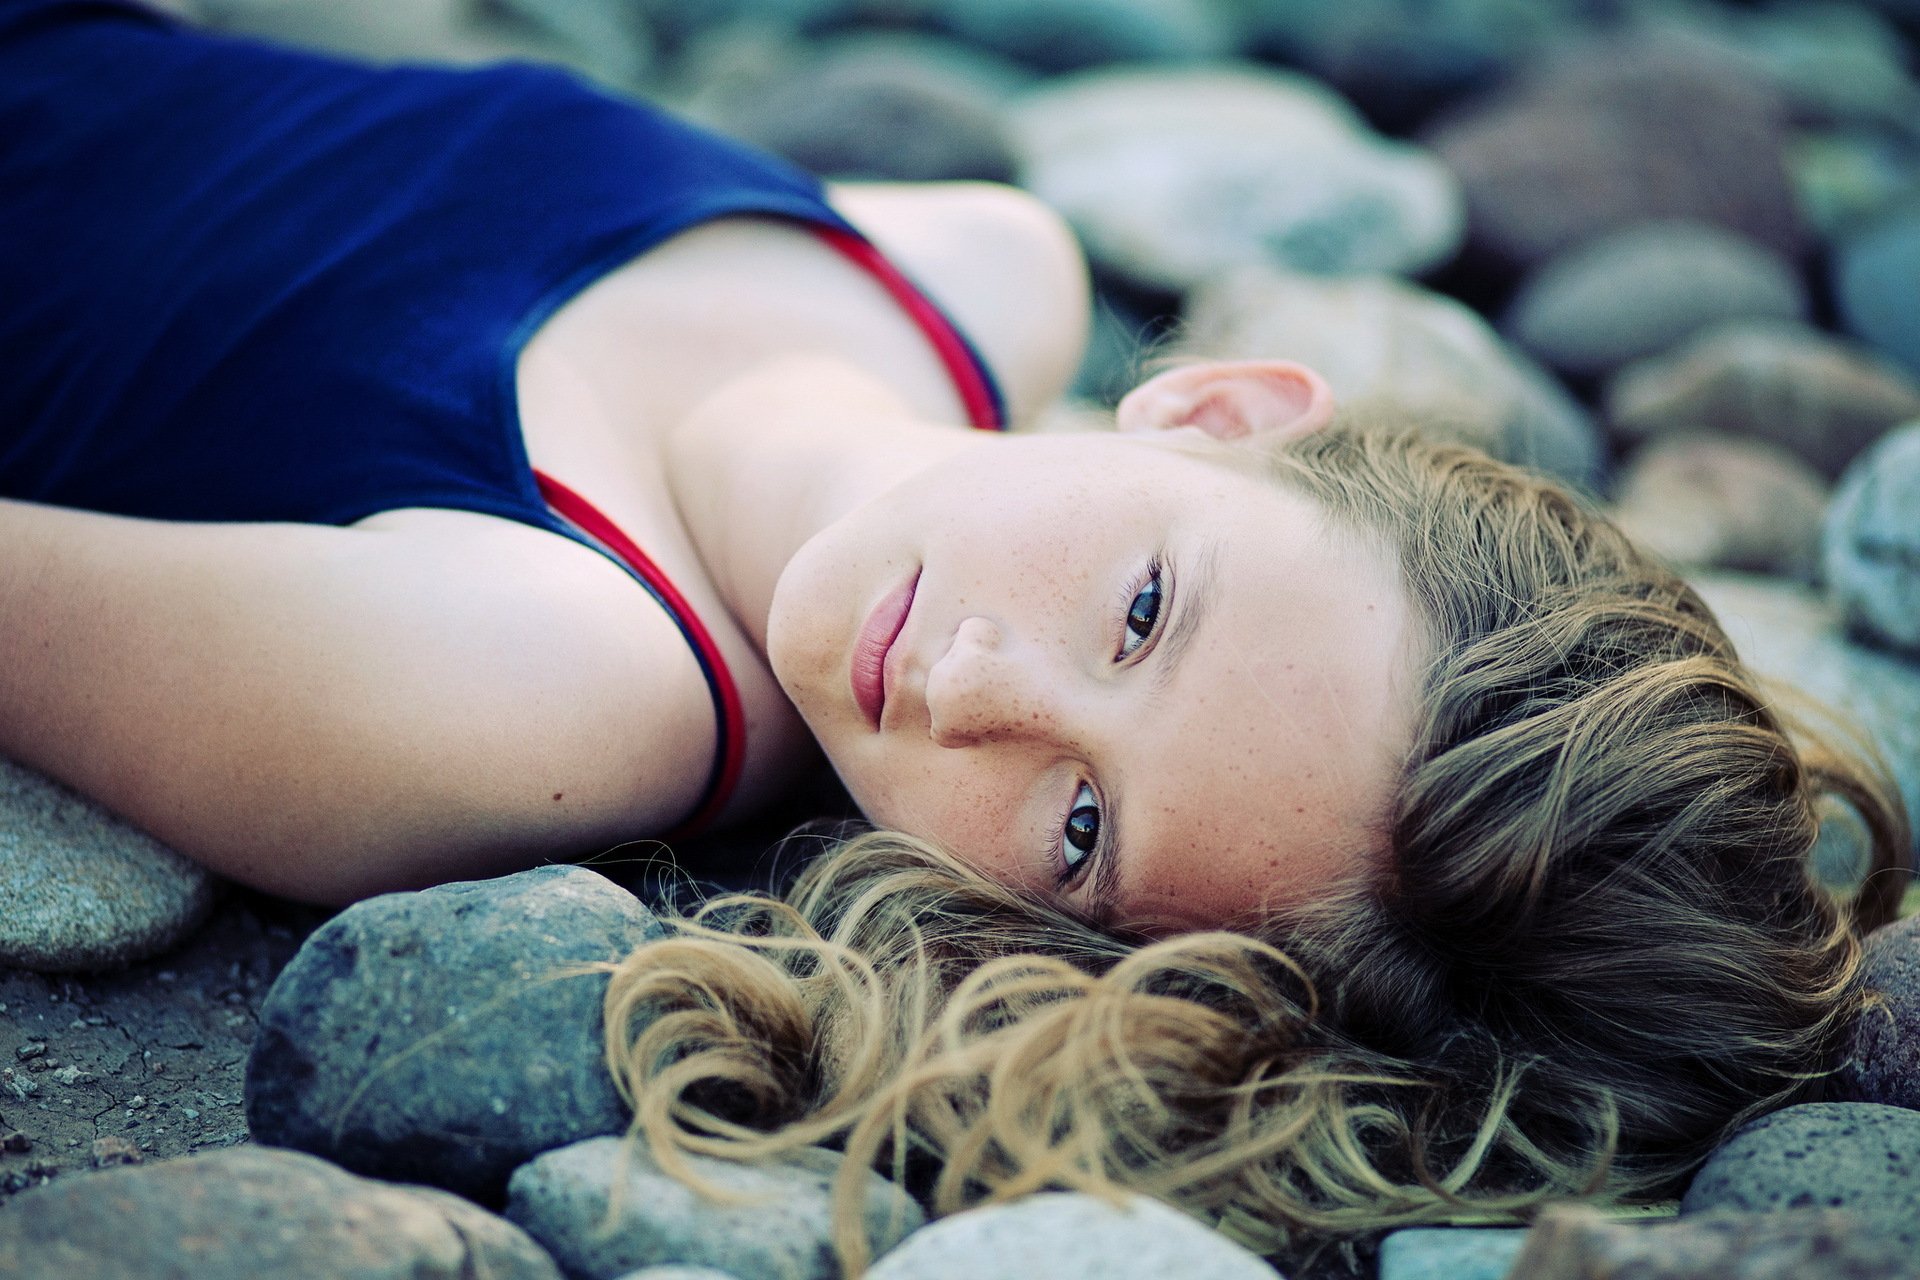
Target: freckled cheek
970	813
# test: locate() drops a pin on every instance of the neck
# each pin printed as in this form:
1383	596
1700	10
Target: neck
775	456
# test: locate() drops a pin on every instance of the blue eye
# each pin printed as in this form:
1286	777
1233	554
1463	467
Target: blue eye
1143	614
1080	833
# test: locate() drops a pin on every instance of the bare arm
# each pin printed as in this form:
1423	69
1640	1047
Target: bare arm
326	713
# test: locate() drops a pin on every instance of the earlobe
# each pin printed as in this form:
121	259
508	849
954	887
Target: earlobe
1231	400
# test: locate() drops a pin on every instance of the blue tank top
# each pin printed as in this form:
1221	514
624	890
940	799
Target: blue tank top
244	282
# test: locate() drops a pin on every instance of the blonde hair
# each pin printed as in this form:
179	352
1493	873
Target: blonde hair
1594	948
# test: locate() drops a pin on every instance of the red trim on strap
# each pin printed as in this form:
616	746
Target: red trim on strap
733	720
975	393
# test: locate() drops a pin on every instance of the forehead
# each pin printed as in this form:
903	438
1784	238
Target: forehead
1276	751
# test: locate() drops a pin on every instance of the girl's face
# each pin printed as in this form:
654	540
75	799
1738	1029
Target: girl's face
1125	674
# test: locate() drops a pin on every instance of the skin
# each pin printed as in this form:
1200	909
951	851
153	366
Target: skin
1244	766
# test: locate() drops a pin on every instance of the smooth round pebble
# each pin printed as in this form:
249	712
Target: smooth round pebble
437	1036
1400	59
82	890
1882	1063
1450	1253
1857	1156
1081	1238
1793	636
1640	290
1607	134
1573	1242
1393	351
778	1226
1872	542
1171	176
901	110
1876	279
1822	398
1066	35
246	1212
1718	500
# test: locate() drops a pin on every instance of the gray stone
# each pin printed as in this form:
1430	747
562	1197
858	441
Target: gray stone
80	889
677	1273
1172	176
1882	1062
439	1037
1399	59
1834	62
1450	1253
1820	397
415	30
1571	1242
1066	35
1842	854
1640	290
245	1212
1611	133
608	39
1720	501
1873	542
1392	350
1792	636
874	107
776	1223
1876	279
1849	178
1081	1237
1857	1156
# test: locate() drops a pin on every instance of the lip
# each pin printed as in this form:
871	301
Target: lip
868	670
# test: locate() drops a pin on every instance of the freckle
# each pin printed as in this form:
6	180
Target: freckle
1300	808
1272	863
558	794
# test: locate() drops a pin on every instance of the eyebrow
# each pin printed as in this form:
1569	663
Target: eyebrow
1193	599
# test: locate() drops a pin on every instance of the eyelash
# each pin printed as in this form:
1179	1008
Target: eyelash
1056	843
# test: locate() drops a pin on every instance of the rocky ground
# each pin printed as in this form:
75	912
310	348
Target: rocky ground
145	1063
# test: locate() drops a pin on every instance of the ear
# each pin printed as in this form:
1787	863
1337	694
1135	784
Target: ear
1231	400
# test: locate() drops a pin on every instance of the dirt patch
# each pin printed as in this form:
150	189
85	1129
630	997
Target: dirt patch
144	1063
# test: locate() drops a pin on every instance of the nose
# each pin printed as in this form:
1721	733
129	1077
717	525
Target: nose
984	689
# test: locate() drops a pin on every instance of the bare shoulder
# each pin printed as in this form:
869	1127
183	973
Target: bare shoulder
1002	263
326	713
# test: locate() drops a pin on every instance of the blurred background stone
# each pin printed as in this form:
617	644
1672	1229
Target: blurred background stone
1391	350
1882	1062
1713	500
1638	291
1066	35
1793	636
1873	542
900	108
1401	59
1821	398
1612	133
1847	178
1877	278
1172	176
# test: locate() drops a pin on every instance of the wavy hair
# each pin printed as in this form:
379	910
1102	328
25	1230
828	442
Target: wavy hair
1594	947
